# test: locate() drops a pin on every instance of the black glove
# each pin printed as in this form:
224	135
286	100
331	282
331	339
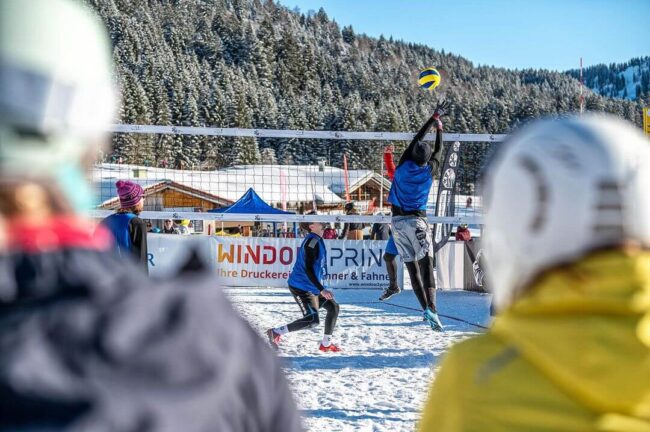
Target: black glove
441	109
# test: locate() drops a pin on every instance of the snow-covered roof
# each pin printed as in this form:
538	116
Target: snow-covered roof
294	183
152	187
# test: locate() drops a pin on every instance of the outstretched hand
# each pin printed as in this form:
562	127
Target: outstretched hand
441	109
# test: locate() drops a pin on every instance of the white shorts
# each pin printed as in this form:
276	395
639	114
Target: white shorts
413	237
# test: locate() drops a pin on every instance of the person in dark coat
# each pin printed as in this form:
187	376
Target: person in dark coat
87	341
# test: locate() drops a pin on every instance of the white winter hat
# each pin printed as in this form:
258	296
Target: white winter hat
559	189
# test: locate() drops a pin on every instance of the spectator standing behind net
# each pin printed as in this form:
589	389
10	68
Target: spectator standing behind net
351	230
169	227
567	232
182	225
463	233
87	342
329	233
380	231
128	230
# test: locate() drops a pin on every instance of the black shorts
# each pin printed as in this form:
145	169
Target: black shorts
308	302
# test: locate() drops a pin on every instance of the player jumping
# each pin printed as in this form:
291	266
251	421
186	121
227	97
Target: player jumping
408	196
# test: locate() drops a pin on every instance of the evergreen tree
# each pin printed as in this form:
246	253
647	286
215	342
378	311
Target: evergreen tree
257	64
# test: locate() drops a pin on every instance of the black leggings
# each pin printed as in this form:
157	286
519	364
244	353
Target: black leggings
423	281
391	268
309	304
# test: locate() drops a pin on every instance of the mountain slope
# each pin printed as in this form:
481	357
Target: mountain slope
630	80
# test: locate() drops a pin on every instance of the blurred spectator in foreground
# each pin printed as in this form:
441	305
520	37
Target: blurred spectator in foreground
128	230
463	233
567	231
87	342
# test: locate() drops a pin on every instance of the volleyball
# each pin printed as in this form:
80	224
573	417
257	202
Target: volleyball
429	78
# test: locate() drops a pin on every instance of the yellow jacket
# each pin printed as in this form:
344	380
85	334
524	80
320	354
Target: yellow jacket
573	354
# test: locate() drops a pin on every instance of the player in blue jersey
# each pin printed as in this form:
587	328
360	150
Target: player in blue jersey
408	196
306	286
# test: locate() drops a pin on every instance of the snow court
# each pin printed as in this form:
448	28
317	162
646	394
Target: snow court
381	379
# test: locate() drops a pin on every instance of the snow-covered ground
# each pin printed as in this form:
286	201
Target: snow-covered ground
380	381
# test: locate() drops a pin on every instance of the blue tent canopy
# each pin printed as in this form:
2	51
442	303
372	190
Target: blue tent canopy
250	203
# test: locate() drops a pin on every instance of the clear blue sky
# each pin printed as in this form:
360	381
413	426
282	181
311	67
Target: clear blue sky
548	34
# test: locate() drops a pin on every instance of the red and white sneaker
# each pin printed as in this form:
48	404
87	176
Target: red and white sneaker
274	338
329	348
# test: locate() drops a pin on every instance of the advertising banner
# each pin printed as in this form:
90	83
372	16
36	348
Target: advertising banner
264	261
445	201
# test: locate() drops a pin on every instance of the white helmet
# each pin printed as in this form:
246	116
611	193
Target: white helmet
559	189
56	91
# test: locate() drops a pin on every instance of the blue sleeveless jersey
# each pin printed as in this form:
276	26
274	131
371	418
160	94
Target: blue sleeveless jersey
118	225
411	186
298	277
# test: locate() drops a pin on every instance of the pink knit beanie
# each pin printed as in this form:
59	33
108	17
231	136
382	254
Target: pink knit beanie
130	193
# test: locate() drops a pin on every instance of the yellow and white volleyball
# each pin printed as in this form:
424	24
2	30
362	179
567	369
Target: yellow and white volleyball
429	78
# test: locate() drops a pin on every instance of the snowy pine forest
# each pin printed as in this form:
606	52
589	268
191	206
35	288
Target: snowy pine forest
257	64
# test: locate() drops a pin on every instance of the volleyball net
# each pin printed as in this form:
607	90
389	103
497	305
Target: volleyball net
281	175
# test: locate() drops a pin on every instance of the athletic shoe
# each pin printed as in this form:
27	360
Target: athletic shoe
274	338
329	348
389	292
432	318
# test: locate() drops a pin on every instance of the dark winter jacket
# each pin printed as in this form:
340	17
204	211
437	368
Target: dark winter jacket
88	343
130	234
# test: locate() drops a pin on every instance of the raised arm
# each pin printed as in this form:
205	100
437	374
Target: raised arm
420	151
436	157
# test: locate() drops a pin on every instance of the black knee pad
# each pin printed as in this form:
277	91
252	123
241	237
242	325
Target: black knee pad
314	320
